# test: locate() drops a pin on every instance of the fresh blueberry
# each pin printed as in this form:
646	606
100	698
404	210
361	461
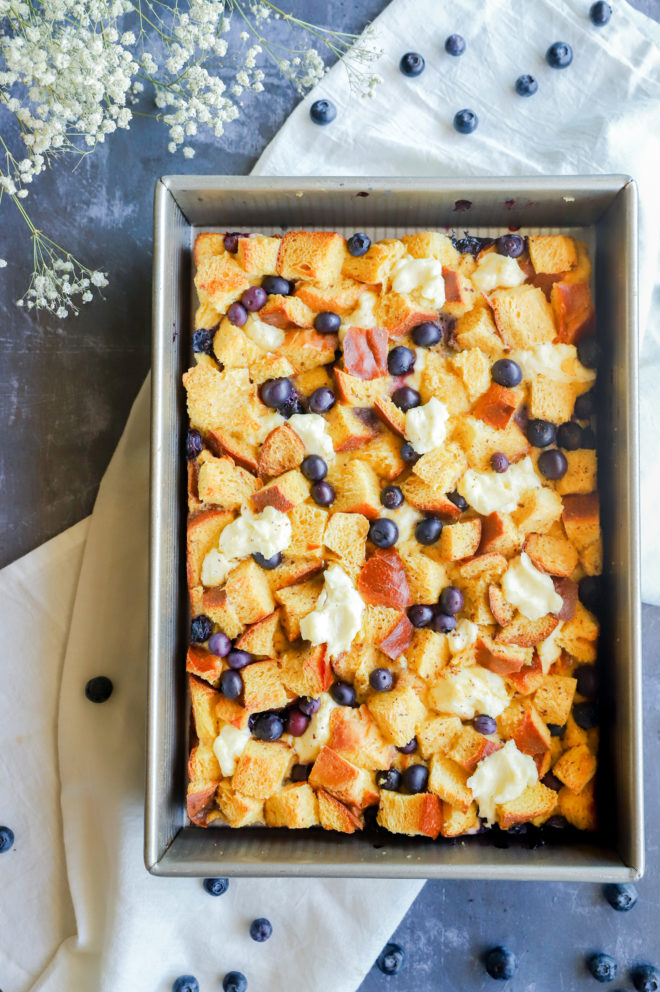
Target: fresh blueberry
275	392
201	628
551	781
408	453
485	725
296	722
420	615
451	600
443	623
238	659
428	530
6	839
569	436
231	684
268	727
327	322
501	963
589	592
408	748
585	715
343	693
400	361
193	444
237	314
185	983
322	493
427	334
216	886
455	44
389	780
300	773
219	645
588	351
293	405
588	439
383	532
230	240
585	405
415	778
391	497
321	400
559	55
261	929
587	680
620	897
412	64
645	978
499	462
556	729
511	245
465	121
235	981
553	464
557	822
323	111
470	244
358	244
506	372
541	433
459	501
254	298
602	967
380	680
268	563
202	342
308	705
314	468
390	960
600	13
405	397
526	85
99	689
275	286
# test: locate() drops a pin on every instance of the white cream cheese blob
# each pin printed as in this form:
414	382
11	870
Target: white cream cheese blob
531	590
501	777
488	492
495	270
266	533
422	276
229	746
337	616
426	426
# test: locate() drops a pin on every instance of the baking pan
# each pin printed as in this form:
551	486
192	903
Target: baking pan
603	210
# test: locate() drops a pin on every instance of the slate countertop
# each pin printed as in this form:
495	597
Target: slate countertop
67	388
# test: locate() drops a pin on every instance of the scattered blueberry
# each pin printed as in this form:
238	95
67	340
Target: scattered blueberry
275	392
201	628
389	780
238	659
443	623
321	400
455	45
499	462
308	705
391	497
412	64
323	111
383	532
588	351
219	645
237	314
322	493
552	782
426	334
358	244
380	679
327	322
556	729
216	886
587	680
390	960
585	405
510	245
585	715
557	822
465	121
420	615
401	360
343	693
276	286
185	983
569	436
296	722
6	839
645	978
485	725
459	501
408	748
261	929
552	463
231	684
405	397
300	773
428	530
99	689
602	967
291	405
268	563
451	600
230	240
501	963
193	444
588	438
408	453
235	981
314	468
470	244
589	591
254	298
415	778
268	727
559	55
620	897
506	372
202	342
541	433
600	13
526	85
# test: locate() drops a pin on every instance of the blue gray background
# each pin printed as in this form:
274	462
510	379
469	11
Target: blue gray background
65	392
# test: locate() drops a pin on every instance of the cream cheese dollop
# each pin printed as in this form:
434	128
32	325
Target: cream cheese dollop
488	492
422	276
337	616
426	426
555	361
264	335
265	533
312	429
463	636
501	777
469	691
308	745
531	590
229	746
495	270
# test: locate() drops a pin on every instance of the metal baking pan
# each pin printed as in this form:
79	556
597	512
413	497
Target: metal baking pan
604	209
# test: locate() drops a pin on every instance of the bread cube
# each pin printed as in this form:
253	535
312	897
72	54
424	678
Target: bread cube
456	821
442	467
523	316
225	484
284	492
233	348
531	733
579	808
221	279
200	802
499	533
428	653
261	768
397	713
259	638
383	453
203	664
203	767
476	330
554	555
297	601
554	697
222	442
306	671
295	806
440	380
581	473
308	525
460	293
470	747
338	297
249	592
427	498
573	307
263	687
576	767
391	415
503	659
206	244
479	441
358	490
203	532
215	398
410	815
315	256
258	254
375	265
286	311
351	427
436	734
237	809
307	349
342	779
426	577
582	524
460	540
536	801
294	569
354	735
398	313
497	406
551	253
217	605
473	367
431	244
550	399
318	378
449	781
281	451
359	392
527	633
537	511
335	816
203	698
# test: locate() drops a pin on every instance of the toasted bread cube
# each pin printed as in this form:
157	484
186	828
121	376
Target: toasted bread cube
294	569
221	443
225	484
470	747
582	525
501	609
284	492
584	624
474	369
229	711
351	427
391	415
306	671
374	266
397	713
426	577
503	659
442	467
285	311
527	633
387	628
354	735
579	808
427	498
203	698
574	735
476	330
576	767
233	348
499	533
208	244
249	591
431	244
581	473
436	734
554	697
270	367
203	767
333	815
342	779
237	809
307	529
497	406
551	253
200	802
307	382
206	316
490	566
573	307
428	653
346	535
217	605
297	601
551	400
449	781
203	664
339	297
202	534
479	441
220	279
456	822
383	453
295	806
307	349
398	313
461	295
358	490
461	540
261	768
531	733
215	398
537	511
316	256
536	801
258	254
554	555
359	392
263	688
281	451
523	316
410	815
259	638
439	380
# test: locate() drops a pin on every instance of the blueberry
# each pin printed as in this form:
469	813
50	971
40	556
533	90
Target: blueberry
219	645
323	111
443	623
511	245
268	563
526	85
451	600
389	780
602	967
585	715
230	240
254	298
506	372
383	532
415	778
290	406
552	464
501	963
600	13
420	615
455	45
321	400
589	592
6	839
308	705
588	438
645	978
587	680
185	983
485	725
428	530
408	453
275	392
216	886
193	444
551	781
314	468
201	628
408	748
300	773
238	659
327	322
499	462
556	729
296	722
412	64
231	684
400	361
322	493
471	245
620	897
585	405
358	244
268	727
405	397
343	693
202	342
569	436
465	121
380	679
99	689
458	500
391	497
235	981
276	286
427	334
588	351
390	960
559	55
261	929
541	433
556	822
237	314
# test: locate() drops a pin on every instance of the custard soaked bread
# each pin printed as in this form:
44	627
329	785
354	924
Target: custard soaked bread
393	535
